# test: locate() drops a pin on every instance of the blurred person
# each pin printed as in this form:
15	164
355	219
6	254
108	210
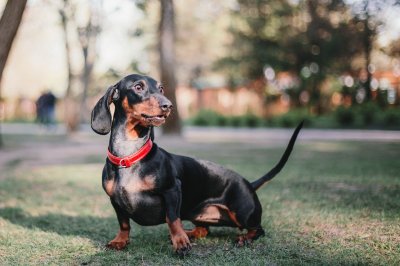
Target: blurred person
50	107
45	108
40	108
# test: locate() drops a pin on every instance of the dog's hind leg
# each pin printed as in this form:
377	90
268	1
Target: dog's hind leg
252	234
252	223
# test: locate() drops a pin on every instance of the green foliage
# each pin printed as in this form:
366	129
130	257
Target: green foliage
251	120
207	117
368	115
256	30
391	117
369	112
234	121
291	119
345	115
247	120
212	118
275	34
272	32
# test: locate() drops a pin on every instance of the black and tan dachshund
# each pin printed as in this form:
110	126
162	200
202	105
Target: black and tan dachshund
151	186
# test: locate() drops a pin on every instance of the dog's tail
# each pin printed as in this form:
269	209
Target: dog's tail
278	167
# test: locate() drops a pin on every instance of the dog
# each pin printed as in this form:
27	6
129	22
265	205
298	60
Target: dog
147	184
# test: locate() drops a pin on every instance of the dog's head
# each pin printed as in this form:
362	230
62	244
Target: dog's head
139	99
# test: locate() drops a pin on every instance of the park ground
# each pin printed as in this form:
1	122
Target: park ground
337	201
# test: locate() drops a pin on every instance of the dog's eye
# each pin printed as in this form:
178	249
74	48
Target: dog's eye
138	87
161	89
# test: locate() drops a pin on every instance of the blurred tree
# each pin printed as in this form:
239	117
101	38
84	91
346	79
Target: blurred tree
256	29
63	10
326	47
167	62
76	110
71	112
394	48
87	38
310	38
201	30
369	20
367	24
9	24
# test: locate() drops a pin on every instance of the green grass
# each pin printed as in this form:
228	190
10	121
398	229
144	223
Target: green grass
335	203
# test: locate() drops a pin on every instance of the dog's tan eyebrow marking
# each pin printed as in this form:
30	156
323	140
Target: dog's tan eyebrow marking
141	82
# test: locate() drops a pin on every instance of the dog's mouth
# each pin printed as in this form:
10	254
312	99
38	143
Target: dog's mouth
154	120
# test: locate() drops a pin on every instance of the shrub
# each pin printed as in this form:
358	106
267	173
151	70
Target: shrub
251	120
291	119
212	118
345	116
287	121
368	113
234	121
391	118
208	118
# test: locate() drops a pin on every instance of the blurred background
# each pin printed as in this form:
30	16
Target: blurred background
239	67
235	63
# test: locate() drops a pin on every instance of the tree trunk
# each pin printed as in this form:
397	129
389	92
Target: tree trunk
71	115
87	37
86	78
9	24
167	63
64	24
367	42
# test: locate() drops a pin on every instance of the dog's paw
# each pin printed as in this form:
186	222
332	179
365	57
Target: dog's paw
183	251
252	234
120	241
117	244
181	244
242	241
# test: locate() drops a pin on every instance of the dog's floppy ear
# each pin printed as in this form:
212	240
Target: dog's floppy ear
101	115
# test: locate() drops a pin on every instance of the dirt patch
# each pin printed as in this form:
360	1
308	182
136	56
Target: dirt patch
346	187
367	231
72	150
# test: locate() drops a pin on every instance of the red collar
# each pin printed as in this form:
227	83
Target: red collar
131	159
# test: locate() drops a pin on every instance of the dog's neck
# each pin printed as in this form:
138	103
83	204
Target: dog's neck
127	137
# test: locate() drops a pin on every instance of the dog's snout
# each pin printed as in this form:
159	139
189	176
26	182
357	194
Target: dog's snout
164	103
166	106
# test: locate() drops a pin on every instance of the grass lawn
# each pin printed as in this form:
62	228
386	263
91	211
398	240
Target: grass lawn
334	203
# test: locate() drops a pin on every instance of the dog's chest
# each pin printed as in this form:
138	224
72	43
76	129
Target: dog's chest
134	184
133	191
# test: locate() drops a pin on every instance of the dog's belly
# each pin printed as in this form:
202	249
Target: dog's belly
144	208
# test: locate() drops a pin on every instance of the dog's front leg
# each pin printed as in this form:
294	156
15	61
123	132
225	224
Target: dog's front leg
122	238
179	238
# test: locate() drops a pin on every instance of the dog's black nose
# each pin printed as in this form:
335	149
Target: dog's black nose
166	107
164	103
